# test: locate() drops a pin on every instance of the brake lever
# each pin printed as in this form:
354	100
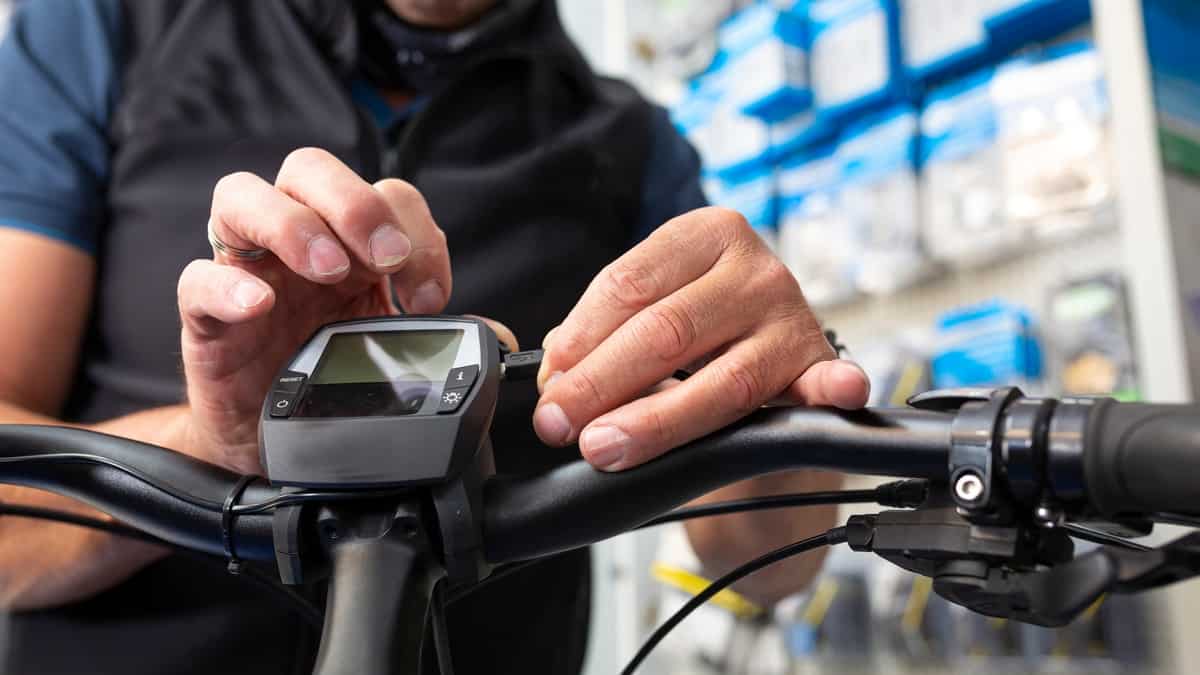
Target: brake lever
1016	573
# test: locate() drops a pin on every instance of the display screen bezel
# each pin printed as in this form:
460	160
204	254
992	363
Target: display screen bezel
310	359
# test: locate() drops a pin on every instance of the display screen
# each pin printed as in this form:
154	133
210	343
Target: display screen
379	374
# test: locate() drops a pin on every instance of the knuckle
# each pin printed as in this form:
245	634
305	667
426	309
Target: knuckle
301	159
402	192
585	386
656	428
360	209
743	385
629	285
728	221
776	274
666	330
232	183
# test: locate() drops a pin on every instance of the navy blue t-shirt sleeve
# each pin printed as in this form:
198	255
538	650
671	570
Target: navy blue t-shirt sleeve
57	66
672	183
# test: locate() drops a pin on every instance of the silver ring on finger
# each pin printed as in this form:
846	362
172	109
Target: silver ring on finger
247	254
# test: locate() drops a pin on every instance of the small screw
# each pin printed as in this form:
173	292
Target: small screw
1047	516
968	487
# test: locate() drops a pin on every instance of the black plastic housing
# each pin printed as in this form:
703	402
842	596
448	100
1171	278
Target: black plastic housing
373	452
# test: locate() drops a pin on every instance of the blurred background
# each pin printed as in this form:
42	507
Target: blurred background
970	192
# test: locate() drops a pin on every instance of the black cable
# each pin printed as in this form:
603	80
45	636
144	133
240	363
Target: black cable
901	493
761	503
287	499
1101	537
836	535
118	529
298	603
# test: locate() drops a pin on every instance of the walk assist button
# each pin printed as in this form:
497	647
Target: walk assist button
452	398
461	377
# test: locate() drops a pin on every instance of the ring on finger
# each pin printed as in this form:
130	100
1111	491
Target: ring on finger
218	246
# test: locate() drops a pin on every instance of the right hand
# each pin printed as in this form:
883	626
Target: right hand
337	244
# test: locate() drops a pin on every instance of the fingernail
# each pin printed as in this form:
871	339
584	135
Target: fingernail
429	298
604	446
326	257
389	246
553	376
551	424
249	294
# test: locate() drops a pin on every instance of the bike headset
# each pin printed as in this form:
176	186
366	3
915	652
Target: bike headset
396	54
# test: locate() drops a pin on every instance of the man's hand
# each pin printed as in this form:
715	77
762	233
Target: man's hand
703	288
337	247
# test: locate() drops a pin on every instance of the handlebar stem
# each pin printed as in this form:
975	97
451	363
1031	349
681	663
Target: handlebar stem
384	574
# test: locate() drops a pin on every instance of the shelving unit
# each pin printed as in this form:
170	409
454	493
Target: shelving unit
1153	245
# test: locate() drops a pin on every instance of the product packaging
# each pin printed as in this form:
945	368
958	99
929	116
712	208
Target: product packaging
815	241
990	344
1092	338
764	49
1052	113
877	197
942	37
963	215
730	143
855	52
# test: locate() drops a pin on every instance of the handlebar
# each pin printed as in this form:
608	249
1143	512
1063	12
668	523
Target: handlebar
1087	456
171	496
574	505
1143	458
1134	459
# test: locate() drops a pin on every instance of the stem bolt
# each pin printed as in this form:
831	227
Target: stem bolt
968	487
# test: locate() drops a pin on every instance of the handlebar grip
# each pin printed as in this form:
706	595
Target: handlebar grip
1143	458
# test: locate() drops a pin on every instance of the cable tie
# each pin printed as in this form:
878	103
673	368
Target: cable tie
234	564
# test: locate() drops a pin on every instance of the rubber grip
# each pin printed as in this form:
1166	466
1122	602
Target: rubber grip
1143	458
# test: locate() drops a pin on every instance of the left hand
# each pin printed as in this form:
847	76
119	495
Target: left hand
703	286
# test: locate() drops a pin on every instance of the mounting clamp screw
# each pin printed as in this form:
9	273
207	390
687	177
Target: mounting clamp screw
968	487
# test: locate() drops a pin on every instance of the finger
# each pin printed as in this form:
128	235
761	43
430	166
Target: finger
214	296
423	284
248	212
646	349
358	214
679	252
732	386
840	383
503	333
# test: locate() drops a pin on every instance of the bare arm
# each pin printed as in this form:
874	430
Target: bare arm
44	302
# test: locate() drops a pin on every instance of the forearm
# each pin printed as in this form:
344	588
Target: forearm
725	542
45	564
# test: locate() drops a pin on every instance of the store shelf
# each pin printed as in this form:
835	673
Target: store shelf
1024	279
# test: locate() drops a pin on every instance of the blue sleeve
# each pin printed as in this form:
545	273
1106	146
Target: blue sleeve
672	183
57	75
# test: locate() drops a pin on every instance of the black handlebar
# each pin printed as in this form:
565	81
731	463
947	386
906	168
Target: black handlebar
1143	458
169	495
1093	456
576	505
